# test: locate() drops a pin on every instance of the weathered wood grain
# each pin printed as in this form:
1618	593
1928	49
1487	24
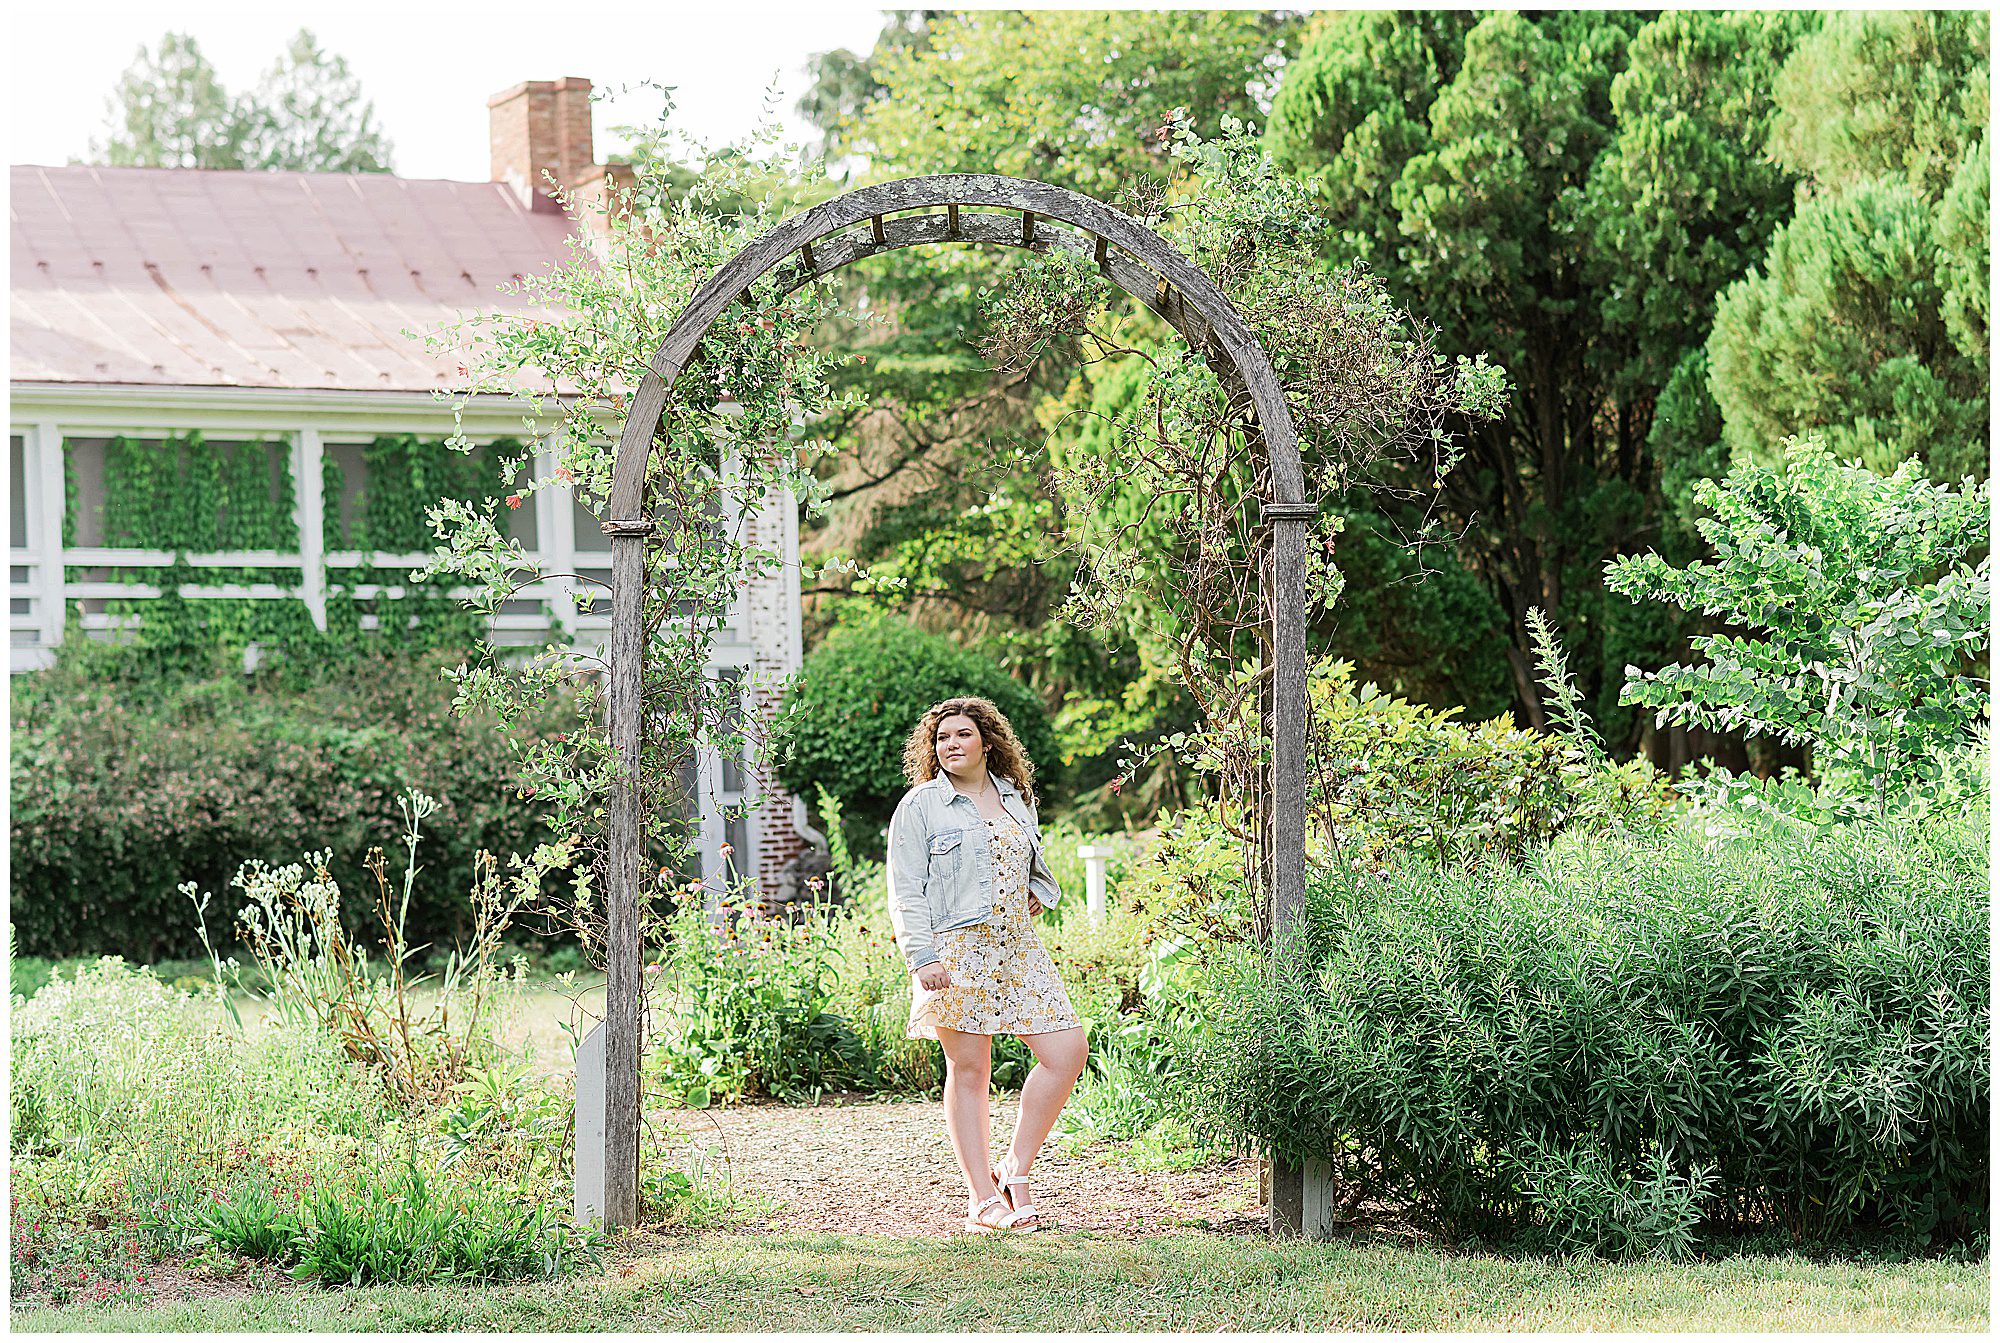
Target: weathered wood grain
621	932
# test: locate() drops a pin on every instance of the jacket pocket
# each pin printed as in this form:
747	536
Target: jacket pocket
947	852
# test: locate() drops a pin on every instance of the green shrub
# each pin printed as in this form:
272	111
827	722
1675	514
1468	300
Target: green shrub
122	792
1390	777
753	1012
1589	1202
855	701
1191	882
1805	1015
1871	600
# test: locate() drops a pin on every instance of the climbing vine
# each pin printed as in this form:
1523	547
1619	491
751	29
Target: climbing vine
738	430
404	477
1158	479
186	494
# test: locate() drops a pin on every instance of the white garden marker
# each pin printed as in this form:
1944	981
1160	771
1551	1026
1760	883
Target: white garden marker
590	1098
1095	857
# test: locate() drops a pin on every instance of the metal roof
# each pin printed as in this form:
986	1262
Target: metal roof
200	278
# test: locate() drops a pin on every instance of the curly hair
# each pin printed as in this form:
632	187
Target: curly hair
1004	755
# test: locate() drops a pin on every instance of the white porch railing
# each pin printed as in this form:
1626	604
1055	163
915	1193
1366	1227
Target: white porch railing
39	591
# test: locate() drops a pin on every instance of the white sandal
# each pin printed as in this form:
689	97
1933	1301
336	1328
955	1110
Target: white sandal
976	1222
1003	1176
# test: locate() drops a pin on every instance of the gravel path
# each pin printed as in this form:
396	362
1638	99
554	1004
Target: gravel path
886	1168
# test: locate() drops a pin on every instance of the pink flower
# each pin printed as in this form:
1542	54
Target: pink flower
728	849
1116	784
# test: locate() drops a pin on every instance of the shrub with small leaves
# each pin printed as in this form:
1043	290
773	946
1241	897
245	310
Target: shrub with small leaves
1874	617
856	699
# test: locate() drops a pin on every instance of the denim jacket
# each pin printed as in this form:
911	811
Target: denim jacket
941	863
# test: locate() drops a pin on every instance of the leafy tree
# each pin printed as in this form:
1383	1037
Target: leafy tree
1866	322
1874	617
309	115
1567	191
1077	98
844	84
170	110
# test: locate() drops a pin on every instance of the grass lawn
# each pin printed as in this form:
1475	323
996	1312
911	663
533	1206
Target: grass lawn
720	1280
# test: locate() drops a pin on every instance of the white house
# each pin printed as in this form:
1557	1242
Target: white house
265	313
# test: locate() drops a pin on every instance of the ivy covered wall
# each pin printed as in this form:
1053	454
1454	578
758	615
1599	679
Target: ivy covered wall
188	494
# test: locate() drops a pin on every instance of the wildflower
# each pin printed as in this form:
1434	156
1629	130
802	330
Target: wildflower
815	883
728	849
1117	784
513	501
565	475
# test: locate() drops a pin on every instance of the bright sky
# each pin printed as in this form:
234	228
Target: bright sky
429	68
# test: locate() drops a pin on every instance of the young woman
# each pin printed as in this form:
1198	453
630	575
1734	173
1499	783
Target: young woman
965	875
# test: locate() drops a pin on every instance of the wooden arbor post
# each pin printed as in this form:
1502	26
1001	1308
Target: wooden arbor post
974	208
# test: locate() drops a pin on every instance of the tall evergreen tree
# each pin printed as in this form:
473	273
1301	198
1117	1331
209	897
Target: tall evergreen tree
1681	205
1867	321
1566	191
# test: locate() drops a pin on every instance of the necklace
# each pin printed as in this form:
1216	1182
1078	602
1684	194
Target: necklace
990	787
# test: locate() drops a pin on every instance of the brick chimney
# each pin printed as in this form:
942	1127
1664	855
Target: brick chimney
542	126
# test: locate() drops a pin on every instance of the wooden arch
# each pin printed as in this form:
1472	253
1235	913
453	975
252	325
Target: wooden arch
955	207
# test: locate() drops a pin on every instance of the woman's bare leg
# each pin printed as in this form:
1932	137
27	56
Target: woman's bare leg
1059	1059
968	1080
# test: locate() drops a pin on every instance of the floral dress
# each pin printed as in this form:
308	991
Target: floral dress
1002	977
